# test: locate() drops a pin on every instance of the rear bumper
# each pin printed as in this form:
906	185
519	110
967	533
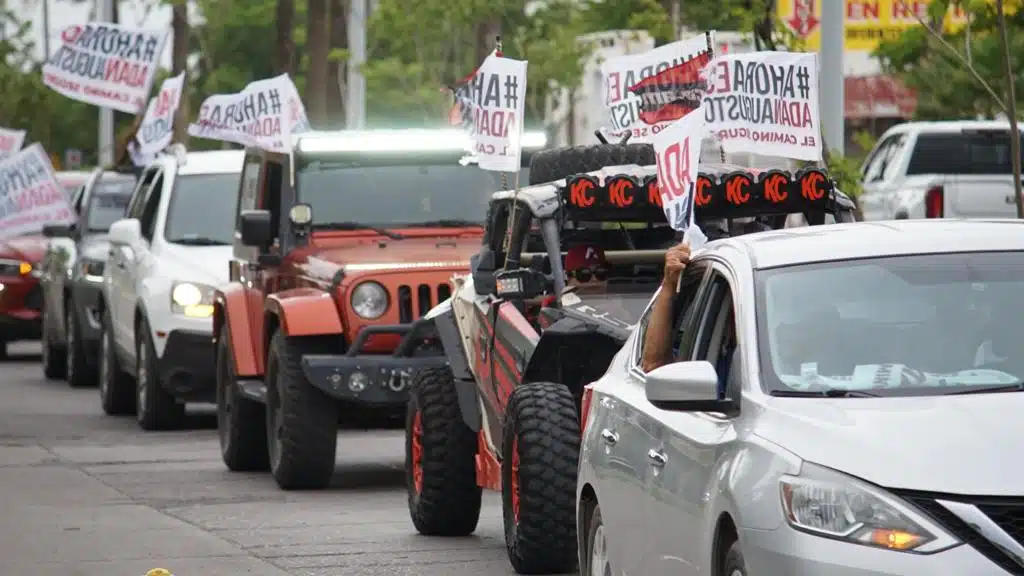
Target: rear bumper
21	306
187	366
372	379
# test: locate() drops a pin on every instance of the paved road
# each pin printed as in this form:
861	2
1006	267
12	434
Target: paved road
86	494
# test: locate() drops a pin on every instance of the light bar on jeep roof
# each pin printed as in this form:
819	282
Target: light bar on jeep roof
397	140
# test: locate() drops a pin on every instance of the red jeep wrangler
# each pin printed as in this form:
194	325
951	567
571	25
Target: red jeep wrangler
340	247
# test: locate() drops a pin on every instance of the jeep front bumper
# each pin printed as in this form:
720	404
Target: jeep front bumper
372	379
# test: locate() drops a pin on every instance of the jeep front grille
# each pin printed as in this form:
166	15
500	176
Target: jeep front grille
415	301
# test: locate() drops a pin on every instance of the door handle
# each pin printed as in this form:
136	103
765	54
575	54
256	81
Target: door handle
657	457
1010	199
609	437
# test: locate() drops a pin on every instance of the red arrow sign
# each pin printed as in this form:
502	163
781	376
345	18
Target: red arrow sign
803	21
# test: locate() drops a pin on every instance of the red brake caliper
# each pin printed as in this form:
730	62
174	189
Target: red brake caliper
417	452
515	479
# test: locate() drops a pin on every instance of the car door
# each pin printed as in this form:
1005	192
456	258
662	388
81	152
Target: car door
244	267
628	434
687	445
59	256
121	263
138	266
881	178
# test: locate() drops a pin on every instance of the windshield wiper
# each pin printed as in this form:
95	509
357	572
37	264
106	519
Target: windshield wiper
1018	387
198	241
358	226
827	393
450	223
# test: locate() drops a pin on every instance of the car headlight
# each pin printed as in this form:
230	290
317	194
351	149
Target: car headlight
370	300
827	503
192	300
91	269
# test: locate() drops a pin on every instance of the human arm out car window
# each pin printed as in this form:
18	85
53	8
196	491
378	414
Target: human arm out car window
658	338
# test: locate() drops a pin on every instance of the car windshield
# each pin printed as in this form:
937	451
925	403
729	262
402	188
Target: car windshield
908	325
107	202
202	210
399	196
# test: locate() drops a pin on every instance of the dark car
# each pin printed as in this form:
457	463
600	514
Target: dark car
72	278
21	301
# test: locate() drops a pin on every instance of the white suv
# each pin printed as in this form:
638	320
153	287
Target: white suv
167	256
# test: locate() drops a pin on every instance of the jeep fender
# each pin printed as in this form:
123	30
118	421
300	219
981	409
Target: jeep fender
304	312
229	309
442	321
592	347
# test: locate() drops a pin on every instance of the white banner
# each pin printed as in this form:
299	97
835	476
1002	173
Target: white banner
496	99
11	141
765	103
266	113
30	195
106	64
625	72
677	152
157	127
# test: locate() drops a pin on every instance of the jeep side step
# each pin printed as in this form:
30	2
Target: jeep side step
253	389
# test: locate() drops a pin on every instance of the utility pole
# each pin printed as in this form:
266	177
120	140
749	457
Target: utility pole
355	102
831	96
46	30
105	13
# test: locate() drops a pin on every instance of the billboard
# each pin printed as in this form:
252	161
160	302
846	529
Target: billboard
868	22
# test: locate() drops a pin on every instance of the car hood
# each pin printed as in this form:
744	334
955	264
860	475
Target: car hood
383	254
30	248
205	264
94	246
952	444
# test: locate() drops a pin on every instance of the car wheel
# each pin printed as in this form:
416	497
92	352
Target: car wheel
117	393
241	422
734	564
80	373
440	458
302	422
54	367
540	449
596	552
156	408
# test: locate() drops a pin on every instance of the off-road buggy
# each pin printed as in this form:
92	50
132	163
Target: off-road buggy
503	414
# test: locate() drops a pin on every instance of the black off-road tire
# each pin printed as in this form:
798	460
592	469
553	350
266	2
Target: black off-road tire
53	360
309	427
734	561
157	409
542	419
558	163
448	504
117	389
241	422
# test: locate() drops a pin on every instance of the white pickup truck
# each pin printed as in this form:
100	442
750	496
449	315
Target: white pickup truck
959	169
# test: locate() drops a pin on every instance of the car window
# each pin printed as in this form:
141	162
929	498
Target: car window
716	335
881	164
900	325
981	152
249	192
202	209
683	305
147	219
107	202
138	201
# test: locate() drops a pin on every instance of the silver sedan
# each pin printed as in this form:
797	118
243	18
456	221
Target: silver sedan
842	401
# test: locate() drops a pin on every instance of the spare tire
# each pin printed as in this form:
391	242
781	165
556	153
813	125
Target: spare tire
559	163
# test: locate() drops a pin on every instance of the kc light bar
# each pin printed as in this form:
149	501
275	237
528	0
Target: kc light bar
736	194
412	140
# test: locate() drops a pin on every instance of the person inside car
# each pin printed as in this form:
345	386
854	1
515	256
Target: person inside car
584	265
658	338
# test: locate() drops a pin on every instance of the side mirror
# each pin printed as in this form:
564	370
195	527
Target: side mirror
255	228
520	284
481	267
686	387
57	230
126	231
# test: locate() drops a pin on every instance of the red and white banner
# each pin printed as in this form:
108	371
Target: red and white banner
106	64
765	103
11	141
30	195
157	127
677	150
